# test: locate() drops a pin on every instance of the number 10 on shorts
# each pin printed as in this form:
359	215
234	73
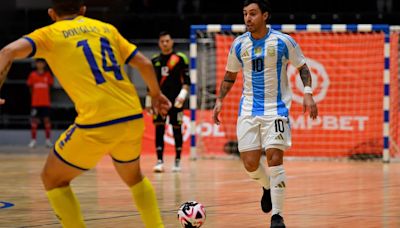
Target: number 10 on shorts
279	126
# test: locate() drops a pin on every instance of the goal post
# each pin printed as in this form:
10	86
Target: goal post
355	79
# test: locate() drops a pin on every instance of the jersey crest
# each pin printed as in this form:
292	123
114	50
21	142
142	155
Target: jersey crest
271	50
258	51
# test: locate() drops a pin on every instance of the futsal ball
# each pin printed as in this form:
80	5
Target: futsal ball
191	214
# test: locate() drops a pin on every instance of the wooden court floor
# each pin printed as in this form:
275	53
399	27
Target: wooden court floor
319	193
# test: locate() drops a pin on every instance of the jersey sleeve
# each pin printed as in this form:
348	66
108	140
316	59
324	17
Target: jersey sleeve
154	58
233	63
50	79
296	56
126	49
185	68
41	42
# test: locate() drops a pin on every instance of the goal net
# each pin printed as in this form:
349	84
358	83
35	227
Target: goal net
355	80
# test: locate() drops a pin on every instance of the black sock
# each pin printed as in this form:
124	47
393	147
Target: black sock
178	141
160	129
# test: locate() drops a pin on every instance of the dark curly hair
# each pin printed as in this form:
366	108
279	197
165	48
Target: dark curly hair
264	5
67	7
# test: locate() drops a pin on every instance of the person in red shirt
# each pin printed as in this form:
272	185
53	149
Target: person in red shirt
40	81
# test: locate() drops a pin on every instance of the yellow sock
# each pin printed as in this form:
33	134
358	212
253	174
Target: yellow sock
146	203
66	207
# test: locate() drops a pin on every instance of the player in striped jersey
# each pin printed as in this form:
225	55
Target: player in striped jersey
263	123
87	57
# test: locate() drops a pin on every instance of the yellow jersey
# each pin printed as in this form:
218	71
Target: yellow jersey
87	57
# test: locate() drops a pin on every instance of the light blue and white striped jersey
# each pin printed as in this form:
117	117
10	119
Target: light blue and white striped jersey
266	89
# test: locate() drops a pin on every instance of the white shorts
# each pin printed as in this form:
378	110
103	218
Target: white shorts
263	132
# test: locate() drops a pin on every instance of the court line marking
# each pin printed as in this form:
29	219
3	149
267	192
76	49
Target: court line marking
4	205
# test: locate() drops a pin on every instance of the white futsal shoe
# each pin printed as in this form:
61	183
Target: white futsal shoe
159	167
177	166
32	143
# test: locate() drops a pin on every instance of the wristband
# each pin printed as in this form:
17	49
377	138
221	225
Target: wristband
308	89
182	95
180	98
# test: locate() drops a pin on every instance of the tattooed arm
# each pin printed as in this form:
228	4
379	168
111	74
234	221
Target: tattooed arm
308	102
225	87
16	50
305	75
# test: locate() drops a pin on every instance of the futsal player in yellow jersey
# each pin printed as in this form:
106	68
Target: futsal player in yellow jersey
87	57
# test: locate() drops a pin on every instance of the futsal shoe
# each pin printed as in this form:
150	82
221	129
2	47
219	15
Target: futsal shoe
48	143
32	144
177	166
159	168
277	221
266	204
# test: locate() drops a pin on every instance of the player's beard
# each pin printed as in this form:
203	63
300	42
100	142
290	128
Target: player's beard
251	28
254	28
